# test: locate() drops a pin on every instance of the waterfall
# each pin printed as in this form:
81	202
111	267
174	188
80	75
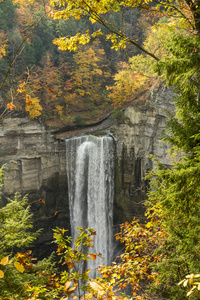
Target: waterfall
90	171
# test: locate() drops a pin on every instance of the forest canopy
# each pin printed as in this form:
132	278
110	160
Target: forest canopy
49	76
39	79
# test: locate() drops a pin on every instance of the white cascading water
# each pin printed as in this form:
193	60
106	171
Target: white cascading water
90	171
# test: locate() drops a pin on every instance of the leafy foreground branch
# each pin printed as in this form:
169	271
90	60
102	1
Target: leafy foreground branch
22	277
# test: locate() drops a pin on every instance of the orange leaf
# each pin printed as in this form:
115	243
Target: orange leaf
20	91
70	266
19	255
93	256
28	100
22	85
52	91
55	213
10	106
93	232
41	201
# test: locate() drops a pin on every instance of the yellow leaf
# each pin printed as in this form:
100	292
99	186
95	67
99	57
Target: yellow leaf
1	274
4	261
191	291
67	285
33	107
71	289
185	283
19	267
149	225
96	286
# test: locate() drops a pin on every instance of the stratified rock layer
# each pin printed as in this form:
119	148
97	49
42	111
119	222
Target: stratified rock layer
36	165
138	136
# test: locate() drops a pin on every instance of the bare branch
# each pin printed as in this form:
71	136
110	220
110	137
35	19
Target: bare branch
19	50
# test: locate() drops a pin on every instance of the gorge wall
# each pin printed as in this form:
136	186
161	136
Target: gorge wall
36	160
36	165
138	136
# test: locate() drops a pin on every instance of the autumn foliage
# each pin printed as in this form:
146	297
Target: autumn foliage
161	256
64	87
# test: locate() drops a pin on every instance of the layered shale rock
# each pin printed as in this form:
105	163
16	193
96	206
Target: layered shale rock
137	137
36	165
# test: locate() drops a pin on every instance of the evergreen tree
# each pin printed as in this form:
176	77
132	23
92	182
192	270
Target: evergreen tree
18	270
176	190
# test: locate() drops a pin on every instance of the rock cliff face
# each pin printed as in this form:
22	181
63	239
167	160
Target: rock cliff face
36	161
36	165
137	137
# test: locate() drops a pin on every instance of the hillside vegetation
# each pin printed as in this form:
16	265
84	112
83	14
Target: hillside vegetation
63	88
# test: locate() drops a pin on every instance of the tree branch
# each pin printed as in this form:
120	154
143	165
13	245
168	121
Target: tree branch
114	30
19	49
